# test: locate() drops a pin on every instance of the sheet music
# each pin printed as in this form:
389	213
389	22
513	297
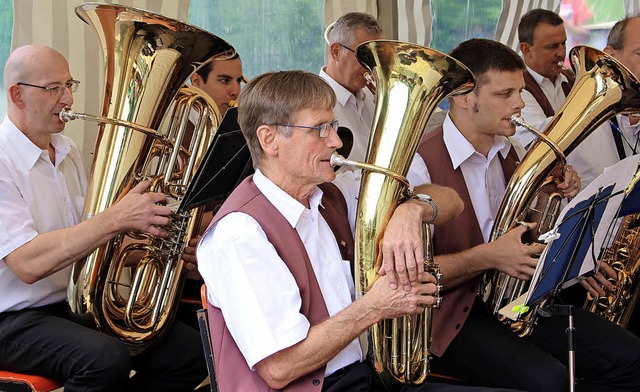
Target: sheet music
618	176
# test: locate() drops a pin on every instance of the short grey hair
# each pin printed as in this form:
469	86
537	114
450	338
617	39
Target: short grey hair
344	29
274	97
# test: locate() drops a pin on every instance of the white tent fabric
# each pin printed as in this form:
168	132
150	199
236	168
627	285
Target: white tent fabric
512	11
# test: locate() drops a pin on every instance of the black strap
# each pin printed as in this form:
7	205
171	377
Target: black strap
617	138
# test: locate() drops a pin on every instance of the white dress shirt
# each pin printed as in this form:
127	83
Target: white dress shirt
354	112
36	196
596	152
532	111
251	284
482	175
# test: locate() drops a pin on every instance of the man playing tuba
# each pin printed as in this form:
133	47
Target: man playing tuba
474	153
42	190
276	258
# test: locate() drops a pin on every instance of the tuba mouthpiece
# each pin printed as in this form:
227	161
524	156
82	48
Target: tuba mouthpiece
560	64
67	114
338	160
517	120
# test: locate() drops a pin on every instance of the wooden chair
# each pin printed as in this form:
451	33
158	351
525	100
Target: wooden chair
17	382
203	324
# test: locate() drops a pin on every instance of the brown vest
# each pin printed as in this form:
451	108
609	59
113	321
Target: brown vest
533	87
232	372
459	234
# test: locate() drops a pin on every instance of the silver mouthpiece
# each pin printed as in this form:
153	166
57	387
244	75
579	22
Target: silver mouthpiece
517	120
560	64
338	160
67	114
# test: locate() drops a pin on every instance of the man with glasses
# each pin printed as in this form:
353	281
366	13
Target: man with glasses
42	190
355	103
276	259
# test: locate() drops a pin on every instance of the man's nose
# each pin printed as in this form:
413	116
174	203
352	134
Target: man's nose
333	140
67	96
235	90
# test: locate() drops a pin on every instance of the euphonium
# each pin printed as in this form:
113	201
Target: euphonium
623	256
148	58
603	87
410	80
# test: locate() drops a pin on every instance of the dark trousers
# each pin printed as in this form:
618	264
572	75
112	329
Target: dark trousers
360	377
485	352
43	341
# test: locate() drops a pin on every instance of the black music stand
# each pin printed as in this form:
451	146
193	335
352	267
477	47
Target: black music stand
584	231
226	163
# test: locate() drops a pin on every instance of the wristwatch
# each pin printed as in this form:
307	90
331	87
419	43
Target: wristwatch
423	197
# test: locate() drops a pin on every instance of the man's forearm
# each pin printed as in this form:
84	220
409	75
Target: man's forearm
323	342
448	202
50	252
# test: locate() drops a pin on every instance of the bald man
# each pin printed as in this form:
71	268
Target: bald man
42	190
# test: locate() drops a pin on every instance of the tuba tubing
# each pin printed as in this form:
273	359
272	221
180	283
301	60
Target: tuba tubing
603	87
410	81
148	58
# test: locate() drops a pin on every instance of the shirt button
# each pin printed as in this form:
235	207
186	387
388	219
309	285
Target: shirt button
457	326
316	382
466	309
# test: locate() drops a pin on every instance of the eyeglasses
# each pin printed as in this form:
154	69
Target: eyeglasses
56	89
347	48
323	129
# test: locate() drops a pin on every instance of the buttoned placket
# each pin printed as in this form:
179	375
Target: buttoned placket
60	181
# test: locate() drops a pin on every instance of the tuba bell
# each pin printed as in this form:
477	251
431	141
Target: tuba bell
148	58
603	87
410	81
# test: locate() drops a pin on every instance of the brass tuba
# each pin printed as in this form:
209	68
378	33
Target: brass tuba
148	58
603	87
410	80
624	257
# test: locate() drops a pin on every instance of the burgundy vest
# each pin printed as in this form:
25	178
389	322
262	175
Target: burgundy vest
533	87
459	234
232	371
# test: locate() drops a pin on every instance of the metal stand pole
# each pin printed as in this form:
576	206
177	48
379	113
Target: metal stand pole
572	353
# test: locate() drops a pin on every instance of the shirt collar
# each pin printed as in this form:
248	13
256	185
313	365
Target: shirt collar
23	152
289	207
342	94
460	149
539	78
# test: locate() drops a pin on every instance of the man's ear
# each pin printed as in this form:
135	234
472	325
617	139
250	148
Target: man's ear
334	50
16	96
196	80
267	136
464	101
609	50
525	48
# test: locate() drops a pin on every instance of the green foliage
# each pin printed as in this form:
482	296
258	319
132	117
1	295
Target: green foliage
269	35
455	21
606	10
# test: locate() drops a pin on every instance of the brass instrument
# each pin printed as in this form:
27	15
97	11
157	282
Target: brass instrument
603	87
148	58
624	257
411	80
